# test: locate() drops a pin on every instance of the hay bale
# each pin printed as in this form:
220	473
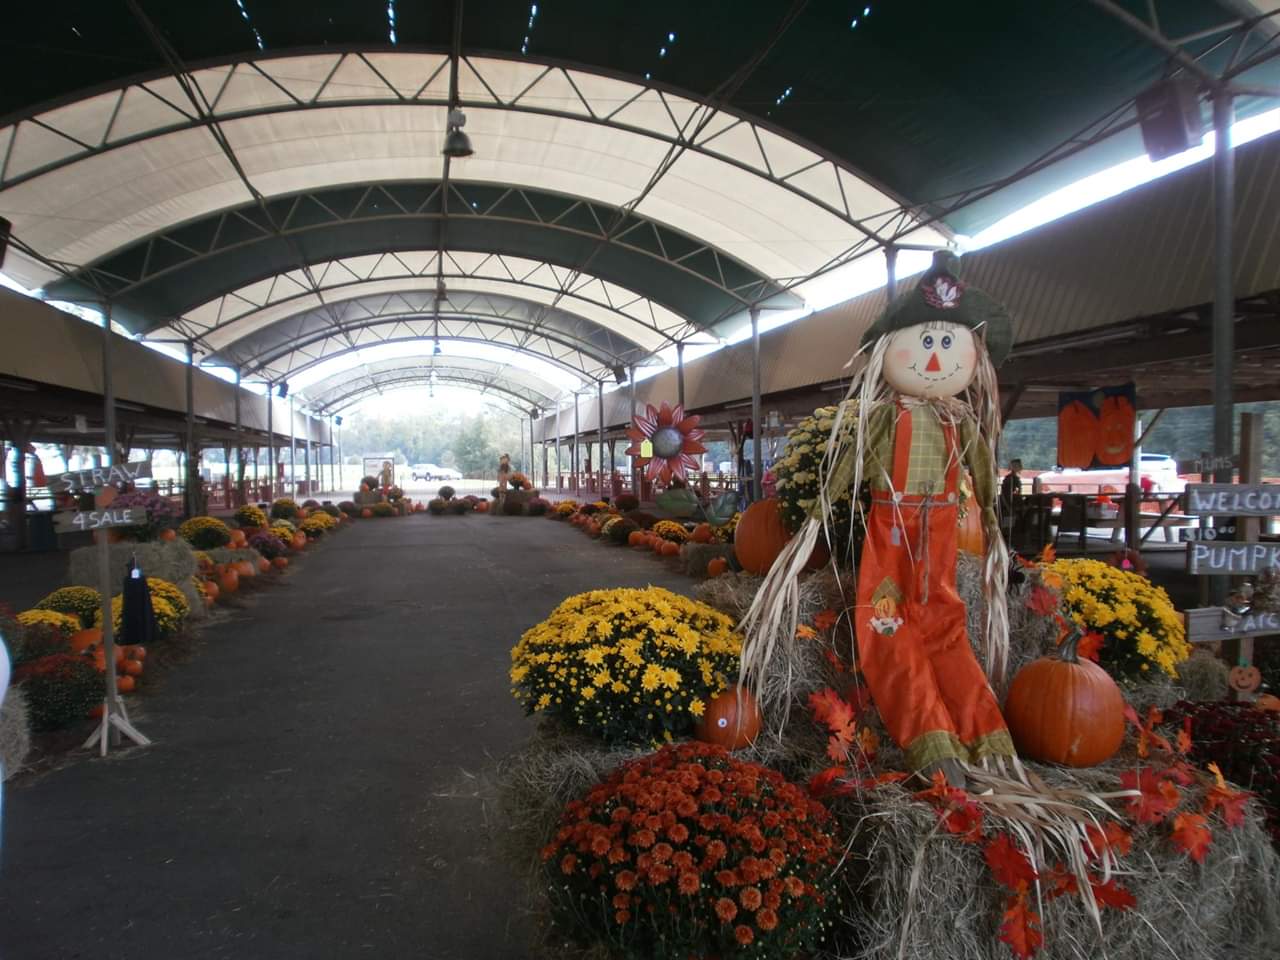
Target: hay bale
694	557
1203	677
15	732
174	561
1229	906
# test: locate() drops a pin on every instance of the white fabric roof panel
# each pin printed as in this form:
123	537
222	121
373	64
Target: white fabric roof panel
84	210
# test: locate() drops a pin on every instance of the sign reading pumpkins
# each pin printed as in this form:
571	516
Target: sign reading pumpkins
1096	427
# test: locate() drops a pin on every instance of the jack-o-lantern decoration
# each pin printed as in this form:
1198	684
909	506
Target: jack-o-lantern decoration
1115	431
731	719
1062	709
1078	433
1244	678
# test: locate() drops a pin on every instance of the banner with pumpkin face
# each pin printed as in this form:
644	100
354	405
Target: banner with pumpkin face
1096	427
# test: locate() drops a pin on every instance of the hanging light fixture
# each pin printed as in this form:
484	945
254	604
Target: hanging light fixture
456	143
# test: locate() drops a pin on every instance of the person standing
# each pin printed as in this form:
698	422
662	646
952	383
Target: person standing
1010	494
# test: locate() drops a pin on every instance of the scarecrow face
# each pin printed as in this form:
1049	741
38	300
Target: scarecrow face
930	360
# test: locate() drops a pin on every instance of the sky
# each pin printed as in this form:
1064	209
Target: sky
853	280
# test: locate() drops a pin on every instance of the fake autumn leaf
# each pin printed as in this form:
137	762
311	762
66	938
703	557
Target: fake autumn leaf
825	619
1147	735
1048	555
868	743
1042	600
1112	836
835	662
1060	882
1111	894
836	713
805	632
1020	927
1158	797
960	815
1008	864
1090	646
1228	800
825	782
1191	835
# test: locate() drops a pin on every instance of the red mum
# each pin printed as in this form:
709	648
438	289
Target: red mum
767	919
688	883
569	863
626	880
726	909
750	898
743	934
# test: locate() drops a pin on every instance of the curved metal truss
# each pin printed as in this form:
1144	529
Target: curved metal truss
179	267
275	350
523	391
295	358
623	317
267	84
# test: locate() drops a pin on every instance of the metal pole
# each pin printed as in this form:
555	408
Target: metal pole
339	454
680	373
271	444
291	489
600	434
188	492
756	471
306	456
573	452
557	444
533	467
239	445
1224	302
631	461
891	267
104	549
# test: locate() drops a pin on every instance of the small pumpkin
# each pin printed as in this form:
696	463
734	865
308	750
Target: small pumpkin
1268	702
280	562
482	506
135	651
132	668
168	534
731	719
211	591
246	569
1078	431
238	539
701	533
299	540
670	548
1244	679
229	581
635	538
126	684
716	566
366	512
760	536
1062	709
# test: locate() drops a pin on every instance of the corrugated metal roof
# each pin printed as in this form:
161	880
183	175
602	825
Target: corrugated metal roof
1144	253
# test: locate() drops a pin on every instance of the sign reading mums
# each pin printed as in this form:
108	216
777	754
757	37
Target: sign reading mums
1227	557
1233	499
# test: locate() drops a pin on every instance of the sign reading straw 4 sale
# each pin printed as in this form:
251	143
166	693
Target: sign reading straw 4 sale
80	480
71	520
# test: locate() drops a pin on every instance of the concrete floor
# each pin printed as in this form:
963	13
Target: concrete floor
312	790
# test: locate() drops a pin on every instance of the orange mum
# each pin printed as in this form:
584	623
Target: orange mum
726	909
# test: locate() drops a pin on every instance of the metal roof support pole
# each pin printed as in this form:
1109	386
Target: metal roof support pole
891	268
1224	300
306	456
239	447
533	466
271	443
557	444
631	460
756	471
339	456
573	453
680	373
600	434
189	479
291	490
546	467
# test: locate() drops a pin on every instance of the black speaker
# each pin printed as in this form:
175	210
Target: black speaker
5	228
1170	118
620	374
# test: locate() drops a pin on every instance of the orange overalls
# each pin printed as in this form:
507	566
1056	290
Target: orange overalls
913	646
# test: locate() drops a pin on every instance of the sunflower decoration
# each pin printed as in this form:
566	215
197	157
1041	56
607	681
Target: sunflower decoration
666	442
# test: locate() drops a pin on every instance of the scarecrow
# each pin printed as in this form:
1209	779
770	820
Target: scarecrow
926	410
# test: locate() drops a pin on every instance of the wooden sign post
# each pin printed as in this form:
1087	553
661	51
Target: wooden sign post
115	718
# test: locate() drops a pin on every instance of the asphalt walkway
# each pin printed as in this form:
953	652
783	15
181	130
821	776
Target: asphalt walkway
312	790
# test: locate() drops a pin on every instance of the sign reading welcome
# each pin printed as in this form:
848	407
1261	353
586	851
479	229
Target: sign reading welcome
1233	499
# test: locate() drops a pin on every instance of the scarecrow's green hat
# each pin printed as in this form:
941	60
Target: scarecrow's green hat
941	296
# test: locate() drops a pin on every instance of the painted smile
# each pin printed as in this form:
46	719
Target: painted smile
935	379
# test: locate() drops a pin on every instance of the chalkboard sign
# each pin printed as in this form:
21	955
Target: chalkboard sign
70	520
1211	624
1227	557
79	480
1225	531
1233	499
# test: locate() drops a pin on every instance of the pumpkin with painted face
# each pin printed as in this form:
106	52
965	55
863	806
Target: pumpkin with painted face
1115	431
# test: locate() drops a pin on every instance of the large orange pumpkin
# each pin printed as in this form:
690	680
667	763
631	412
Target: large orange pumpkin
717	566
86	639
229	582
731	719
969	535
1062	709
1115	434
1078	431
760	536
701	533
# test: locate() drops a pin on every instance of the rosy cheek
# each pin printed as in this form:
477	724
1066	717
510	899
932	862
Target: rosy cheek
903	357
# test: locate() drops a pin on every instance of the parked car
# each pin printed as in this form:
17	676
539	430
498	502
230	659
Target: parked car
424	471
445	473
1158	469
